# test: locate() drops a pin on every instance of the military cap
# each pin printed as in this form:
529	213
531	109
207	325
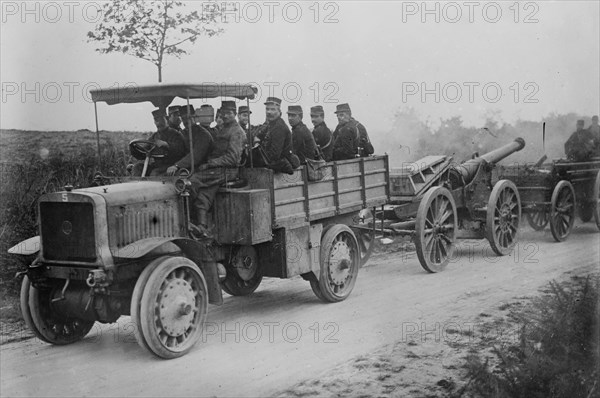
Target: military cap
185	111
205	114
342	108
244	109
273	100
228	106
173	109
158	113
317	110
294	110
580	122
595	117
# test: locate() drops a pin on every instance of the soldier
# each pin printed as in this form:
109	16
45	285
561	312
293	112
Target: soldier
174	117
275	148
595	130
580	146
202	144
350	138
303	143
222	165
243	118
169	140
321	133
205	116
218	121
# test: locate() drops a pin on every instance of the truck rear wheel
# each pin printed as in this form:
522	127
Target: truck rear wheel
243	272
340	261
173	307
46	323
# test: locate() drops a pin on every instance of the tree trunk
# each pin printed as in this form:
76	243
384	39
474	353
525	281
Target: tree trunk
159	66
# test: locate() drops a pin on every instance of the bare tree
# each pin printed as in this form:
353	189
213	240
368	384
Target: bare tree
152	30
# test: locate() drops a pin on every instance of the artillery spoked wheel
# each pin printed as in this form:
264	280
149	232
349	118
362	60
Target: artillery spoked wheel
596	200
503	216
172	306
340	261
537	219
435	229
46	323
365	237
243	272
562	211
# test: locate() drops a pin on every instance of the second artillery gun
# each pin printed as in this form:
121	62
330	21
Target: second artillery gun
436	202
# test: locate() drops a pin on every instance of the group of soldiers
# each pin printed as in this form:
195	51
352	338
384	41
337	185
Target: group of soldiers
584	144
220	144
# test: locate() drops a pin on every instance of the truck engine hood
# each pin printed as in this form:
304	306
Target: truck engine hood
132	192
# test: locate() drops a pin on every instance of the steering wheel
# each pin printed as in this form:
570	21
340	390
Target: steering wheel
140	149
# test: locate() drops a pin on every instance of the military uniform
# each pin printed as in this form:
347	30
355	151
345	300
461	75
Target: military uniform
222	162
324	139
351	139
276	145
202	141
581	145
303	143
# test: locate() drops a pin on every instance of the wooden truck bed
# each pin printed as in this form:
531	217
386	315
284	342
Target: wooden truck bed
348	186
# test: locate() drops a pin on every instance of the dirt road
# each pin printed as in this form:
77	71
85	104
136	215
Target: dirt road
282	334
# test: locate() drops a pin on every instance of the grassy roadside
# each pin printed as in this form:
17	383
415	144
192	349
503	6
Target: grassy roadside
536	346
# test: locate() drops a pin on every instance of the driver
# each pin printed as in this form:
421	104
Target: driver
166	139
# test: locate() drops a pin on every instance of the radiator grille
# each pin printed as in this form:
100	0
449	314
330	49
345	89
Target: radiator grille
68	231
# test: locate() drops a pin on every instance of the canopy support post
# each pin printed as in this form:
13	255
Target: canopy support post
249	134
190	135
97	133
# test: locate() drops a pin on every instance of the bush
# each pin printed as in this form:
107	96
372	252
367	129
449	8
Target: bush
557	355
23	183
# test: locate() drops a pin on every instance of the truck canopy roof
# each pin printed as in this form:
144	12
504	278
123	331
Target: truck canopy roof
161	95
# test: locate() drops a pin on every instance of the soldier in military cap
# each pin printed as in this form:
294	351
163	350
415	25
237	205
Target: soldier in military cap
202	142
321	133
167	138
174	117
580	146
244	117
205	116
275	148
303	143
350	138
595	130
221	166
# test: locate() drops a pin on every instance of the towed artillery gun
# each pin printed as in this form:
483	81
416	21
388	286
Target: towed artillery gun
552	192
122	248
437	202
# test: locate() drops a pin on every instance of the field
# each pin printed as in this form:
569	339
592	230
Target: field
33	163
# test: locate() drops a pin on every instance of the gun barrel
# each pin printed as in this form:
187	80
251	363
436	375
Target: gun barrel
469	168
504	151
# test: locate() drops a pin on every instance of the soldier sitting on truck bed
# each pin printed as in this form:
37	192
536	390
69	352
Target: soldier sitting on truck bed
350	138
580	146
202	144
166	138
222	165
275	148
303	142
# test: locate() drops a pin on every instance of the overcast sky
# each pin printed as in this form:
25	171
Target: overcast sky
524	59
